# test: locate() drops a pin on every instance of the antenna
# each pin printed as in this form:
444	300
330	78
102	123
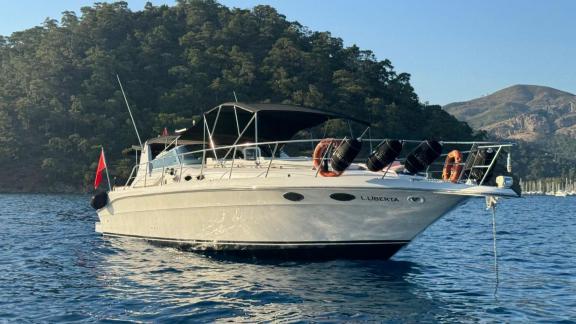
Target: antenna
129	111
235	98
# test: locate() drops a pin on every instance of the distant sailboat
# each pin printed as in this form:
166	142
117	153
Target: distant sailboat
559	192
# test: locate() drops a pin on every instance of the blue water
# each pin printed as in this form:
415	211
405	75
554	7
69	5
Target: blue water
54	268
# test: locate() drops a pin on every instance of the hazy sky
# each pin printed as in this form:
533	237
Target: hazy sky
455	50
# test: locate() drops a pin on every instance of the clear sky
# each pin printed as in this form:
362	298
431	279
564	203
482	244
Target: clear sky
455	50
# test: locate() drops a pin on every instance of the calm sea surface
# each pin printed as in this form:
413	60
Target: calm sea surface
54	268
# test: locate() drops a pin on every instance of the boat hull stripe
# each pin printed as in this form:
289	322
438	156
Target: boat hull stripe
283	243
381	250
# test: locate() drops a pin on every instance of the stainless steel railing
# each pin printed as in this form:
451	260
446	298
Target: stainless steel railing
152	178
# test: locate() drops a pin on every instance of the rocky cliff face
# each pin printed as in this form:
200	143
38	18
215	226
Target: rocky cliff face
521	112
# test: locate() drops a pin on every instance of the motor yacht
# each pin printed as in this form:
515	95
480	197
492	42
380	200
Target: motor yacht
241	182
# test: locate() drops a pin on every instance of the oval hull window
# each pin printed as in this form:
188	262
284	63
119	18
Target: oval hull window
293	196
414	199
341	196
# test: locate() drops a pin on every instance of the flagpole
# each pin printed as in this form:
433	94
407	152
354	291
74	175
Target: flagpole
107	175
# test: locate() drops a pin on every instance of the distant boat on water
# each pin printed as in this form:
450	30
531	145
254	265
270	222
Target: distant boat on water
549	187
560	194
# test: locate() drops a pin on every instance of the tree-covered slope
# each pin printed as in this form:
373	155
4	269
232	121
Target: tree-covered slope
59	98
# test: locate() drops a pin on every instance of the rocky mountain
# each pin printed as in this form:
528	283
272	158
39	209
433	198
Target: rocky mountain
521	112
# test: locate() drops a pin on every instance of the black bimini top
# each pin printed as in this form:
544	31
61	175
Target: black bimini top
272	122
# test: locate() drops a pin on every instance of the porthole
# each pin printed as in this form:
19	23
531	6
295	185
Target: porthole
341	196
414	199
188	178
293	196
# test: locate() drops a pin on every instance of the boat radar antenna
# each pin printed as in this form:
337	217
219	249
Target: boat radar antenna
129	111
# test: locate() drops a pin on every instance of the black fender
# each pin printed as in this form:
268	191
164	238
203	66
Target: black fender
99	200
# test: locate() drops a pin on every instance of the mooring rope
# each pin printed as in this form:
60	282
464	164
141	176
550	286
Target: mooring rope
495	250
491	204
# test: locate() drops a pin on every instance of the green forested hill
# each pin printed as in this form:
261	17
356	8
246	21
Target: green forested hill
59	98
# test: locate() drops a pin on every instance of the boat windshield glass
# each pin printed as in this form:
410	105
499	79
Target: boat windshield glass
187	158
174	156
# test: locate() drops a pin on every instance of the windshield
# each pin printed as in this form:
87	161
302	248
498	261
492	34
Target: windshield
187	157
173	157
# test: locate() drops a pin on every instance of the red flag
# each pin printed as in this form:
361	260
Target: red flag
101	167
165	132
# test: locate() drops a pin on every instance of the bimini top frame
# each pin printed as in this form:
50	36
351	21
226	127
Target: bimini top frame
231	123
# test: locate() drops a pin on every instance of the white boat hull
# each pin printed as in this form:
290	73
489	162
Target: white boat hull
377	223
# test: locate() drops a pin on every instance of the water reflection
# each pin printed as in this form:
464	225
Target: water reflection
160	283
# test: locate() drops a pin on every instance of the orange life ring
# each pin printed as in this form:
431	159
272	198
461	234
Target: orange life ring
453	166
319	152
